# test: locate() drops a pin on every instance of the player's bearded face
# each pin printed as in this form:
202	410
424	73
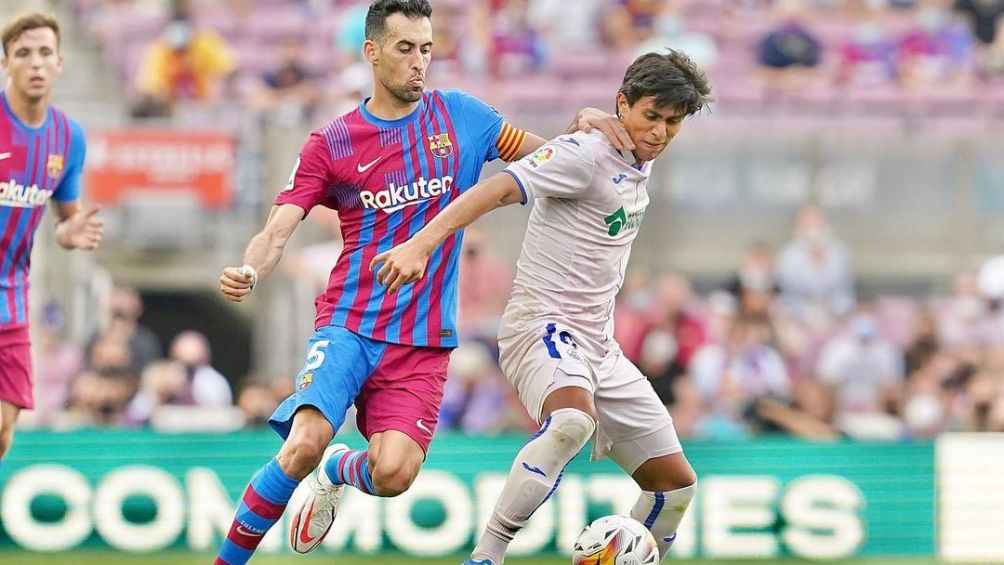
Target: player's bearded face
33	62
405	54
651	127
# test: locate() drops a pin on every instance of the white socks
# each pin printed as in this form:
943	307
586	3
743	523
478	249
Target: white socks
661	513
534	476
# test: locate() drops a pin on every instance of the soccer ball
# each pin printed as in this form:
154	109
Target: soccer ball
615	540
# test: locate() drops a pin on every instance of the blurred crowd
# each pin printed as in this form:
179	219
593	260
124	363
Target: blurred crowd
122	376
290	58
785	345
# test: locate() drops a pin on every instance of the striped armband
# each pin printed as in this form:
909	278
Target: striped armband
510	140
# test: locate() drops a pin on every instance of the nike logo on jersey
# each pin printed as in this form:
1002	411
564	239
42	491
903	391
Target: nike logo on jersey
421	425
619	178
669	539
363	168
5	156
535	470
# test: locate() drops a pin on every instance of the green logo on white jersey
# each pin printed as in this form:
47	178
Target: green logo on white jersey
622	220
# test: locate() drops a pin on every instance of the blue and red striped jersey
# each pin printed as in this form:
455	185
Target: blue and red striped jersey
387	179
36	164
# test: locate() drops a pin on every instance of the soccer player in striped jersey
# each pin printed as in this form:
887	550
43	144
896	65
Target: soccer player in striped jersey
556	344
41	159
388	167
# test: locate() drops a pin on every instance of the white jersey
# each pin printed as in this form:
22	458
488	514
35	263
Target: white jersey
590	200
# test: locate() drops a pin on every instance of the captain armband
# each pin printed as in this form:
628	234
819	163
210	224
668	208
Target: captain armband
510	140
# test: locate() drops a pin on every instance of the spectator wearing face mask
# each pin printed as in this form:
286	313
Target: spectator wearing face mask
185	63
814	269
868	57
865	374
670	31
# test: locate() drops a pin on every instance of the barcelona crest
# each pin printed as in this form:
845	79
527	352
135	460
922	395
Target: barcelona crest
54	166
306	380
440	145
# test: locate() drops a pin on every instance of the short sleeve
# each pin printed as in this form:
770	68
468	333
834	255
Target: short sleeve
308	182
69	187
562	168
483	122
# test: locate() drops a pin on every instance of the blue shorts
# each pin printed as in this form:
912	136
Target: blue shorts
394	387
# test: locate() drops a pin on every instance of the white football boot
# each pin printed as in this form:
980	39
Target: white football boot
315	516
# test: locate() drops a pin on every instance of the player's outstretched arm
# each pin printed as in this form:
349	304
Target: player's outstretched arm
78	229
586	120
406	262
262	254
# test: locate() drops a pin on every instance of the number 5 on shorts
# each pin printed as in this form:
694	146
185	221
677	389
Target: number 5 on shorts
315	357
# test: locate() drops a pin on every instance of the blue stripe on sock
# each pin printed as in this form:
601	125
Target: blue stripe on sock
274	485
556	483
252	521
660	501
346	466
367	479
553	488
340	473
234	554
547	424
331	467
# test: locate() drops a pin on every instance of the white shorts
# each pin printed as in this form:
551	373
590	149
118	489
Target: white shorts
633	425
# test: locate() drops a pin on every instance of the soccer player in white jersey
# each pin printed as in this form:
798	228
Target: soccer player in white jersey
556	339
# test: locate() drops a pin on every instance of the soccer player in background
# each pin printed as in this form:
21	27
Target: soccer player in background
556	341
387	167
41	159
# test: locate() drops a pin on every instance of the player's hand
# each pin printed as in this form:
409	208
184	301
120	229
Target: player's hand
401	265
83	230
236	283
589	119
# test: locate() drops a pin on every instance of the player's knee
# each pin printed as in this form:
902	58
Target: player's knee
301	454
572	425
391	478
671	479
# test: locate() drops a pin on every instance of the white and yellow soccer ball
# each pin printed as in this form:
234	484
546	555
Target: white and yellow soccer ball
615	540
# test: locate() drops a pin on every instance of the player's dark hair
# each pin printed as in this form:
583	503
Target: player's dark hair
673	78
376	17
24	22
